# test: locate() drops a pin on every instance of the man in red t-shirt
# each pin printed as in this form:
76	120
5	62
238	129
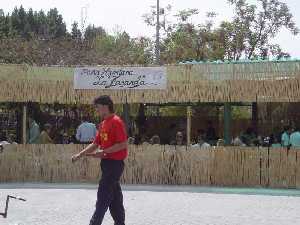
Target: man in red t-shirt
110	145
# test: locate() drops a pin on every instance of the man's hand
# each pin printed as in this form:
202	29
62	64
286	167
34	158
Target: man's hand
97	154
90	148
76	157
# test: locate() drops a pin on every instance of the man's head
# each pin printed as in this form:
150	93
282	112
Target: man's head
288	129
155	140
47	127
85	119
220	142
131	140
179	137
104	105
201	136
65	138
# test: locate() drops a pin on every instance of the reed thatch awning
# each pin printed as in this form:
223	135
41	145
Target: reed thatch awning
265	81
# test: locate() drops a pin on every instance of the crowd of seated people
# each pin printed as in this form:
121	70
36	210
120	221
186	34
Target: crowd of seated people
56	133
60	132
289	137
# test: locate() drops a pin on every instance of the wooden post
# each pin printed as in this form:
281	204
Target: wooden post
24	124
189	125
227	123
126	115
254	116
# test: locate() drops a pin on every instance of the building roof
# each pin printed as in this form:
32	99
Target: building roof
242	81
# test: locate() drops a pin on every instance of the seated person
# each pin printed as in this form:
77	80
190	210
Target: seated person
285	137
295	138
248	137
220	143
238	142
44	137
155	140
201	143
178	139
211	136
131	140
276	143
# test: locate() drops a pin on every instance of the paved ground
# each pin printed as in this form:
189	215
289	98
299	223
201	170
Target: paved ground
52	205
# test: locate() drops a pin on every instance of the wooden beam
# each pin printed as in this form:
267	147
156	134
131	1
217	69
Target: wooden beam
126	115
227	123
255	116
189	125
24	124
199	103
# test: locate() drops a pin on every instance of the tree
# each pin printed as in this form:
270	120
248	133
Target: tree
56	26
253	27
91	32
184	40
42	25
4	24
32	24
75	32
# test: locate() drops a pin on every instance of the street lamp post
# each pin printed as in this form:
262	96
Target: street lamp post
157	47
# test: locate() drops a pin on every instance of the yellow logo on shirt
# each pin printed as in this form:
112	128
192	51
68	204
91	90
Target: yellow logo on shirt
104	136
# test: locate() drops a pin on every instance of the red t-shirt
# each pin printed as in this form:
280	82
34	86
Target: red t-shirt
112	131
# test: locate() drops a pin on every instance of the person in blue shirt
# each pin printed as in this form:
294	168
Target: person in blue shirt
285	137
34	131
295	138
86	132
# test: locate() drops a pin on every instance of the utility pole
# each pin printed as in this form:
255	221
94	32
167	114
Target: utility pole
83	17
157	47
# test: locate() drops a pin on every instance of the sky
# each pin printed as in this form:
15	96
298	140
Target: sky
117	15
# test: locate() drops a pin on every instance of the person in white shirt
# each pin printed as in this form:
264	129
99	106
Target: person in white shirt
86	132
238	142
201	140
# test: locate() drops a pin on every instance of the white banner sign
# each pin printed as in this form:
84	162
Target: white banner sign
120	78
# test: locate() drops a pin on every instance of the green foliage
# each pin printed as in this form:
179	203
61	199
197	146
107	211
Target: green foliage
248	35
253	27
29	24
41	38
75	32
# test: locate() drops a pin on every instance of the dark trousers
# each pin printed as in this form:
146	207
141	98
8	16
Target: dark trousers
109	194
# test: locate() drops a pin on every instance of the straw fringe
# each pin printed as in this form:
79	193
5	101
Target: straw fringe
250	82
229	91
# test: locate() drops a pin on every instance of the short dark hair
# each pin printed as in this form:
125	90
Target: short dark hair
286	127
105	100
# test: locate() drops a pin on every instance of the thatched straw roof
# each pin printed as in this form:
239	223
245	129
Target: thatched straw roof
265	81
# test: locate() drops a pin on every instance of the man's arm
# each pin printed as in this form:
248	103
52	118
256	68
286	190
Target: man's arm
116	147
88	150
49	139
